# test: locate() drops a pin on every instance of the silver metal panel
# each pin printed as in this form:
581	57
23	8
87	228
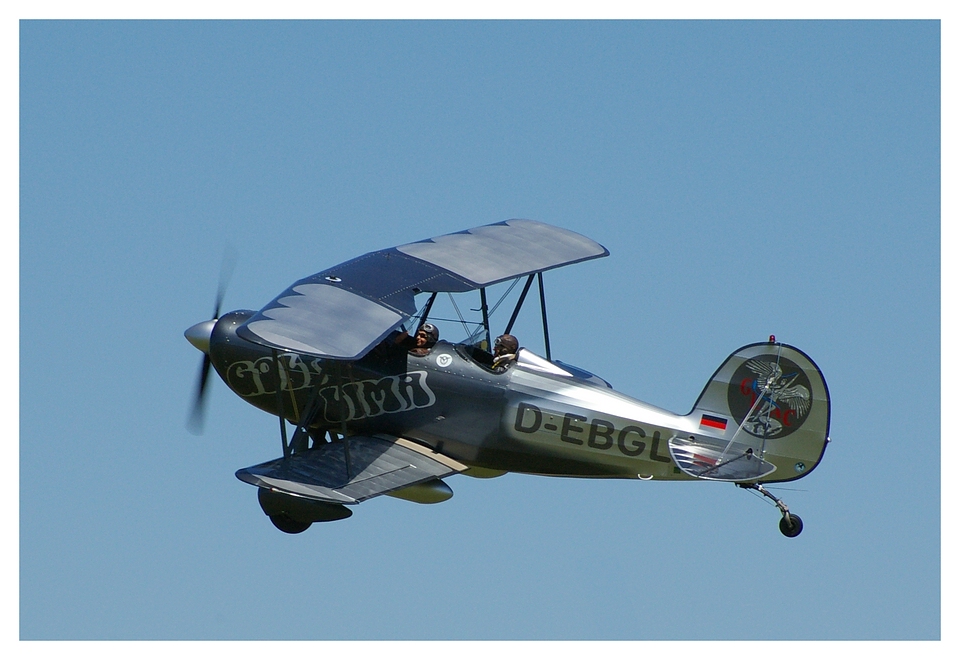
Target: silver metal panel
379	466
324	320
492	253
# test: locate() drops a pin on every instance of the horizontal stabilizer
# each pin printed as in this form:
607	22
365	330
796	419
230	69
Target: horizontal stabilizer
719	460
379	464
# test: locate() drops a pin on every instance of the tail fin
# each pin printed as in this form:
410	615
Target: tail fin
771	400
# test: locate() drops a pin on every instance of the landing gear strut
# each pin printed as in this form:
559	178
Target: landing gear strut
790	523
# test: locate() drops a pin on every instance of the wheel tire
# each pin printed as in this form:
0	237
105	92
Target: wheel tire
288	525
793	528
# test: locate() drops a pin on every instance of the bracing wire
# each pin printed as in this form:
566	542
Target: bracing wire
504	296
766	426
762	497
477	325
459	315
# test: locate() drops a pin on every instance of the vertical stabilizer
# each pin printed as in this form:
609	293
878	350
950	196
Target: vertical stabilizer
770	398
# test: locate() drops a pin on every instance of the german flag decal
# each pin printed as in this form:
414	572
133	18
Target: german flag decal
713	422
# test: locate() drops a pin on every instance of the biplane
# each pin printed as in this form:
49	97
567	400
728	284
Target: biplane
366	408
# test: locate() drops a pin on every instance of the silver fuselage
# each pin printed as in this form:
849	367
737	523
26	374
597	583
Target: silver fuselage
536	417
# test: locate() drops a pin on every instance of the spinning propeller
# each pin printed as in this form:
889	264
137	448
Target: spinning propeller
199	335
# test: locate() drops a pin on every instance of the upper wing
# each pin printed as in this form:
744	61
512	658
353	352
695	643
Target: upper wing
486	255
379	465
342	312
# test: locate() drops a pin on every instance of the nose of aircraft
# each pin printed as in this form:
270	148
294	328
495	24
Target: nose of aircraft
199	334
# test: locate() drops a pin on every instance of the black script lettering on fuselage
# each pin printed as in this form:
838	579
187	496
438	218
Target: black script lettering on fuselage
256	377
597	433
362	398
371	398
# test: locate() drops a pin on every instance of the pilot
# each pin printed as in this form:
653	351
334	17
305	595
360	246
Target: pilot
504	352
420	344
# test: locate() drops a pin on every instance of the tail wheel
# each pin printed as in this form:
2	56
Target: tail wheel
287	524
791	526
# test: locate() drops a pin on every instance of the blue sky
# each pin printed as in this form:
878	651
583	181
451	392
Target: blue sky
749	178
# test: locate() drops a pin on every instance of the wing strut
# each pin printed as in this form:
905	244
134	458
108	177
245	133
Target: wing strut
486	315
298	442
283	425
516	310
543	313
426	310
343	421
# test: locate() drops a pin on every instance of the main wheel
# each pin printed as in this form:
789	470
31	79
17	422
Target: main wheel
792	528
287	524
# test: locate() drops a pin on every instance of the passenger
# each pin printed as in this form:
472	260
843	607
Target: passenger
504	352
420	344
